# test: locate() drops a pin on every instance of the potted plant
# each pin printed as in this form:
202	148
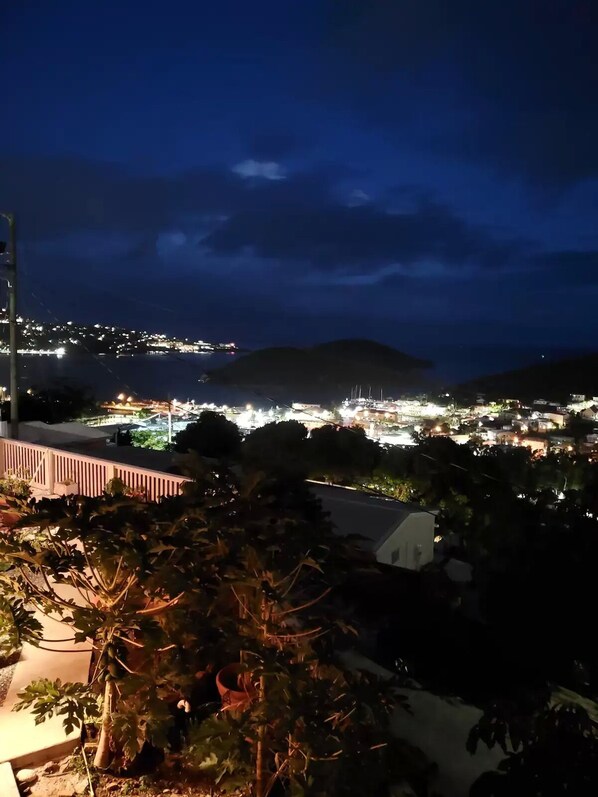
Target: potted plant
13	490
235	687
67	486
116	487
13	486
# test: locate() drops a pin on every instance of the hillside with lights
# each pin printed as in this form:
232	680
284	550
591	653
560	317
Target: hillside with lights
71	338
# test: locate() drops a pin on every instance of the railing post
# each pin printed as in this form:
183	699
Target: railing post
110	471
2	457
49	455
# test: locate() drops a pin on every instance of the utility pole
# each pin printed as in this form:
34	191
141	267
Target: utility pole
11	278
171	403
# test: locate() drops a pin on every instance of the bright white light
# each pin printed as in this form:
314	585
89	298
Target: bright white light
60	351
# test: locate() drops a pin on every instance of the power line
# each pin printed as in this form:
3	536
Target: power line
123	296
87	349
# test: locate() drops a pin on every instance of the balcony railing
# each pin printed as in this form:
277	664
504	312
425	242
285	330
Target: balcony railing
46	467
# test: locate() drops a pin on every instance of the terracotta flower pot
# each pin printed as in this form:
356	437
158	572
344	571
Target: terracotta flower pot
8	515
8	519
234	689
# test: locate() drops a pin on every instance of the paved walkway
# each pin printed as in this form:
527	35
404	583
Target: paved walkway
22	742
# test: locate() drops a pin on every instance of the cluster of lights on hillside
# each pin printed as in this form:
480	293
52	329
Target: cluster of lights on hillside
60	339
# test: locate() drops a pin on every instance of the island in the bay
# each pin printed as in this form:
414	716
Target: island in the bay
70	337
326	371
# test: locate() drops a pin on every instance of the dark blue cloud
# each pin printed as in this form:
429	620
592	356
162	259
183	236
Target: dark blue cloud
336	237
574	268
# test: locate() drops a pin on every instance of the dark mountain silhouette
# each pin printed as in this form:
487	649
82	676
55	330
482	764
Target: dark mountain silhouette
549	380
324	372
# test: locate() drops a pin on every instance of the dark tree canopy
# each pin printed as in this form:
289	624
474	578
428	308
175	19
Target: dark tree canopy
55	404
342	455
212	435
278	449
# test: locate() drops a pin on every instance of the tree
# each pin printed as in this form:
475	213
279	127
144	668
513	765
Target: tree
342	454
55	404
212	436
149	438
309	722
237	568
579	427
278	449
119	571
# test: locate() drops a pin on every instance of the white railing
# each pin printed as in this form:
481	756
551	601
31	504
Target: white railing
108	420
45	467
154	484
24	460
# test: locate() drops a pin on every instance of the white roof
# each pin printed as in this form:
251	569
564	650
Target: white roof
370	516
38	431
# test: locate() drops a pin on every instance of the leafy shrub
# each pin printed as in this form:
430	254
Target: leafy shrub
218	748
15	486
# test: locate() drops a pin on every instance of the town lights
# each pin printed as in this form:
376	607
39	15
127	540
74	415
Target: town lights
9	273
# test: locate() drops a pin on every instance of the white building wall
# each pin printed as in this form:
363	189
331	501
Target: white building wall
411	544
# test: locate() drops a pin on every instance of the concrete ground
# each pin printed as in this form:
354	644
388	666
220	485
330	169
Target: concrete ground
22	742
8	785
439	727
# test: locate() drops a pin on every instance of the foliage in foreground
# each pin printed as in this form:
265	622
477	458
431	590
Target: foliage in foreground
113	568
236	570
14	485
17	624
310	723
551	749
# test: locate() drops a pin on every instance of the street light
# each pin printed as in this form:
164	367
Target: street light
9	273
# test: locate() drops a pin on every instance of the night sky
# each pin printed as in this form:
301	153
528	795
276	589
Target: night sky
416	172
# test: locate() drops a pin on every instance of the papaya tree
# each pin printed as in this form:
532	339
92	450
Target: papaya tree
310	723
120	572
